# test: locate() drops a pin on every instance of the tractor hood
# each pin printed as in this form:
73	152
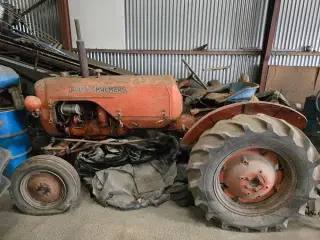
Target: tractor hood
138	101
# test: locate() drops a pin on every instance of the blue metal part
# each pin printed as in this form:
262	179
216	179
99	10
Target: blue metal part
242	91
8	77
14	137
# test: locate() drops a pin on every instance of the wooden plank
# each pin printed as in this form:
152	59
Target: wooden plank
294	53
295	83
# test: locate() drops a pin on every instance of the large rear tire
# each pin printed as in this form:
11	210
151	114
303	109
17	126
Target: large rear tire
253	172
45	185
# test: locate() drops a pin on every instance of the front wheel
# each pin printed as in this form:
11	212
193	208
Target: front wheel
45	185
253	172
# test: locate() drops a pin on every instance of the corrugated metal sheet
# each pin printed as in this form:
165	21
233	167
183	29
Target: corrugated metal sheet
299	25
303	61
42	21
156	64
187	24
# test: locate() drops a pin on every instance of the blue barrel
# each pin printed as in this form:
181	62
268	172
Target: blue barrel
14	137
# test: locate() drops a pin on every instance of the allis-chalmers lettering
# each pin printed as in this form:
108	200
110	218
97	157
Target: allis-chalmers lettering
78	89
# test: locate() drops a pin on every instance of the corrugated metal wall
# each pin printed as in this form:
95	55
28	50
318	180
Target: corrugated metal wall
157	64
187	24
43	21
298	26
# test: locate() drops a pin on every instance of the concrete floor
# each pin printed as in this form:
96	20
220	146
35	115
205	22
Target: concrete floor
92	221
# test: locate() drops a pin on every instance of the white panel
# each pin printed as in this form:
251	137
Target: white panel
102	23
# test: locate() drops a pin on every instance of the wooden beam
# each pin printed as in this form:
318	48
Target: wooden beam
271	25
294	53
64	19
177	52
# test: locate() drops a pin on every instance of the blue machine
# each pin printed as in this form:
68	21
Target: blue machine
14	137
8	77
13	133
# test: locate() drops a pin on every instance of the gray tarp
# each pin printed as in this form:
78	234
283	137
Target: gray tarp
134	186
5	156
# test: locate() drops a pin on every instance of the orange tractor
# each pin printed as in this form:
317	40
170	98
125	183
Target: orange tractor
251	167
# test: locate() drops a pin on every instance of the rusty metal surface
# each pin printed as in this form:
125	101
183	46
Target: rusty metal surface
183	123
229	111
84	68
250	175
134	101
32	103
94	129
44	187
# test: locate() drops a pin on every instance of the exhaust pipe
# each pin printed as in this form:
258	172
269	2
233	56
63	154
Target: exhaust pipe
84	68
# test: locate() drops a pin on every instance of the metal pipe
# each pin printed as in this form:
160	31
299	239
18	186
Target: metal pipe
78	30
84	68
103	142
34	6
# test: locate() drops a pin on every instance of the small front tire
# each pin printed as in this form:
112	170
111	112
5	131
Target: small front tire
45	185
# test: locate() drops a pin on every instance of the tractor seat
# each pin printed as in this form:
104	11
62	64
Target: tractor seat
8	77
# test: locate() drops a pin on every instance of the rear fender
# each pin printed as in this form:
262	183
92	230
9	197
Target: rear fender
229	111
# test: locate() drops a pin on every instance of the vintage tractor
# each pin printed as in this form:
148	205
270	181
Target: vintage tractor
251	167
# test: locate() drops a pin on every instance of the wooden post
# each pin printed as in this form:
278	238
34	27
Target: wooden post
271	25
64	19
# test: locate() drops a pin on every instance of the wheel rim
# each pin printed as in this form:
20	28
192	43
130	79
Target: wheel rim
43	189
255	181
251	175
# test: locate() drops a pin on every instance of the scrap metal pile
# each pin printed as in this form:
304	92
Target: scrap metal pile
201	98
34	54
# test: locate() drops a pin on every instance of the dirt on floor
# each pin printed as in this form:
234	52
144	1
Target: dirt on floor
169	221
